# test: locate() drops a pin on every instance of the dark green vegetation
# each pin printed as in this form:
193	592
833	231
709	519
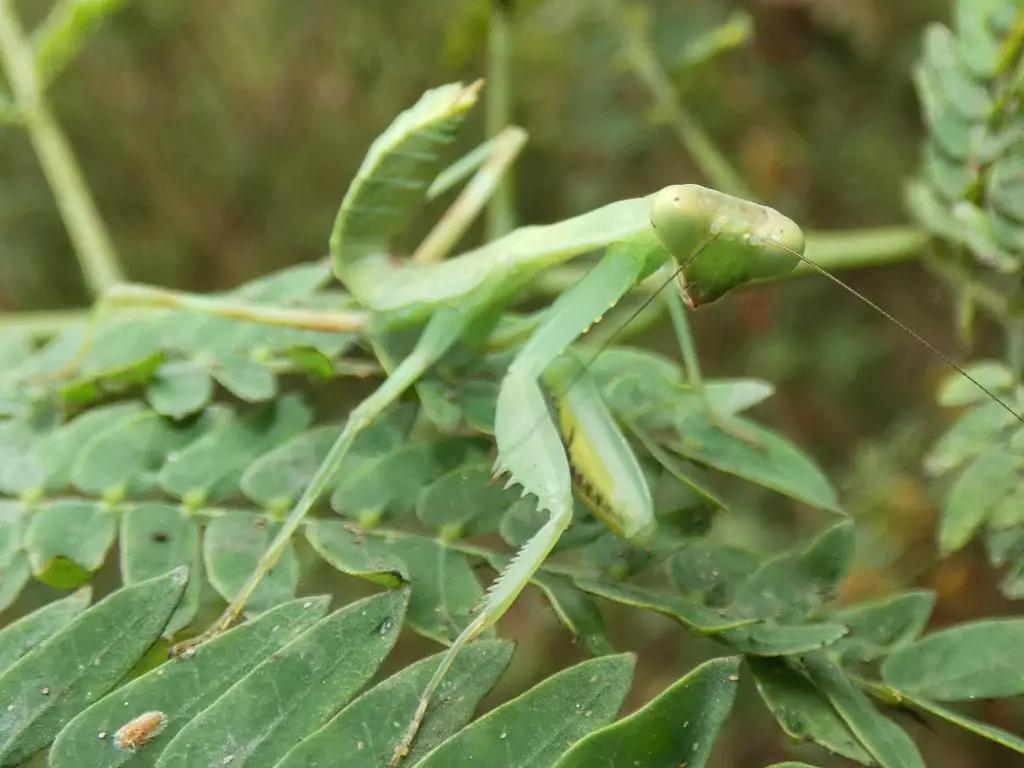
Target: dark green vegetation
181	440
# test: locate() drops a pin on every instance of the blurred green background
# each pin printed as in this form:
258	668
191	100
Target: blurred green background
218	139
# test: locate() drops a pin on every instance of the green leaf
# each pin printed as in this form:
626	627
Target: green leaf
14	566
678	728
59	449
695	617
770	639
535	728
245	378
346	740
478	401
576	610
802	711
156	538
393	481
439	405
959	90
968	437
232	547
277	478
980	659
775	463
958	390
953	134
465	497
87	658
28	632
294	691
884	740
180	388
356	554
444	588
126	456
16	573
979	46
181	688
793	586
986	731
976	494
212	467
523	520
67	541
712	573
881	626
22	470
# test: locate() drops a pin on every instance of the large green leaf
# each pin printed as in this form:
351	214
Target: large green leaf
881	626
347	740
180	688
883	739
294	691
50	685
23	635
792	586
802	711
678	728
775	463
536	727
981	659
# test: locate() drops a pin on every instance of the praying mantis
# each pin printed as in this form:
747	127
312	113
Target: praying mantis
712	243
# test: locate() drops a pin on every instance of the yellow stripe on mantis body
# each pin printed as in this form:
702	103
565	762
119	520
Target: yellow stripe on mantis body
604	468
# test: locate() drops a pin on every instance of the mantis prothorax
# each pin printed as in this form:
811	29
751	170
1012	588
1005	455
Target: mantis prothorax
712	242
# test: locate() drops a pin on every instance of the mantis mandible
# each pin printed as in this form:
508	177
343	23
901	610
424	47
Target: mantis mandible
712	242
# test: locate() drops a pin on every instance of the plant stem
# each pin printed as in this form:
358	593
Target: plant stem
501	210
41	324
92	244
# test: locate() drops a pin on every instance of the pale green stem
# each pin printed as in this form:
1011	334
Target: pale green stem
95	251
501	210
42	324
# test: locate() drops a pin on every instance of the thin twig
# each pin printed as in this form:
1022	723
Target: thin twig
92	244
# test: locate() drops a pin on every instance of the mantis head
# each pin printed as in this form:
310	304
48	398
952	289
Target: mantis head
720	242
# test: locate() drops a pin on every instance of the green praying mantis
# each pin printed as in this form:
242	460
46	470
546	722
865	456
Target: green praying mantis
710	242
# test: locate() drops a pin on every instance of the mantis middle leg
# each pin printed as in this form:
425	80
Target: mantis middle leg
531	449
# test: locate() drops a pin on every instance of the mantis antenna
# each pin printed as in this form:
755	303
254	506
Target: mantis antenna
910	332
